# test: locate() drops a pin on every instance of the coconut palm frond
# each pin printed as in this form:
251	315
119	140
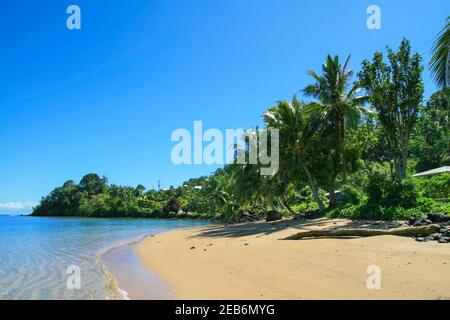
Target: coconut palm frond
440	61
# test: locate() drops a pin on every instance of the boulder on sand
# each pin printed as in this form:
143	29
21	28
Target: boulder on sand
273	216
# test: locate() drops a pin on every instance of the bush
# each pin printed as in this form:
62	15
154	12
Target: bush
372	211
403	194
375	187
350	195
437	187
388	200
387	192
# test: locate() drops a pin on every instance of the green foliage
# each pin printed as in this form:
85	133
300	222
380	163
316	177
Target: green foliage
389	199
439	64
387	192
93	197
93	184
371	211
430	146
437	187
395	90
351	195
340	108
172	206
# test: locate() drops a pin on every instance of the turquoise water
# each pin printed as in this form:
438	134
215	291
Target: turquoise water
36	252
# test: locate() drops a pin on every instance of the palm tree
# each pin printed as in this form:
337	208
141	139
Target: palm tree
440	62
216	187
339	105
294	142
249	185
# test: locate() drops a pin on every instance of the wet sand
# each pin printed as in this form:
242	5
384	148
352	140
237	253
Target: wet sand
128	278
251	261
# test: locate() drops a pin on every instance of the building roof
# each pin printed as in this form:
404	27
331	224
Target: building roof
433	172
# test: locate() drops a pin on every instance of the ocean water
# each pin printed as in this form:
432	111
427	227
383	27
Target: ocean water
36	252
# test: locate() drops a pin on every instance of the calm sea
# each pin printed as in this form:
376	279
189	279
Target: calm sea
35	253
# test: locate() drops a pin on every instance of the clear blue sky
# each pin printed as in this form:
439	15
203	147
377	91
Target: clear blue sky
106	99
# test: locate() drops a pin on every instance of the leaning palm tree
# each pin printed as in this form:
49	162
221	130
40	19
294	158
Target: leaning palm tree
440	62
340	106
249	185
295	142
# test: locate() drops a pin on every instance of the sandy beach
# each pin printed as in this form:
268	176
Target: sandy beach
252	261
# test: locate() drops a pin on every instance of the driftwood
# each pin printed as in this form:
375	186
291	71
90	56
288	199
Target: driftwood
337	233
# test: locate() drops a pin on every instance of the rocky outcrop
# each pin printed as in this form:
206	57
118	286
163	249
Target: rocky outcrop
442	235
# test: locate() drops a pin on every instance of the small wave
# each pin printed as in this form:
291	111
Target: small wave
113	291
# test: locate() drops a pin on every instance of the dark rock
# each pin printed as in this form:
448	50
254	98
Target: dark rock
423	221
437	217
412	221
437	236
299	216
273	216
418	222
444	240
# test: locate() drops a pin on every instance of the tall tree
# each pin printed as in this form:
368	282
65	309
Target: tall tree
395	90
338	102
440	62
93	184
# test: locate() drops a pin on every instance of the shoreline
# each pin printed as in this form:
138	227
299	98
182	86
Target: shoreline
250	261
125	276
113	290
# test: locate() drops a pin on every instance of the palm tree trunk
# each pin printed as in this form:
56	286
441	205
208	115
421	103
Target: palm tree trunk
285	204
272	205
314	189
333	201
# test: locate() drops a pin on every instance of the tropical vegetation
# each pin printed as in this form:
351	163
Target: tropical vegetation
347	149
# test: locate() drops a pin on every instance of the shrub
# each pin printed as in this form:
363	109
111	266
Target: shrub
386	192
373	211
350	195
437	187
401	193
376	186
387	200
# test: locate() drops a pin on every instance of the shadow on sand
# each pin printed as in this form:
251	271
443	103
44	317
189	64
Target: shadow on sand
259	229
